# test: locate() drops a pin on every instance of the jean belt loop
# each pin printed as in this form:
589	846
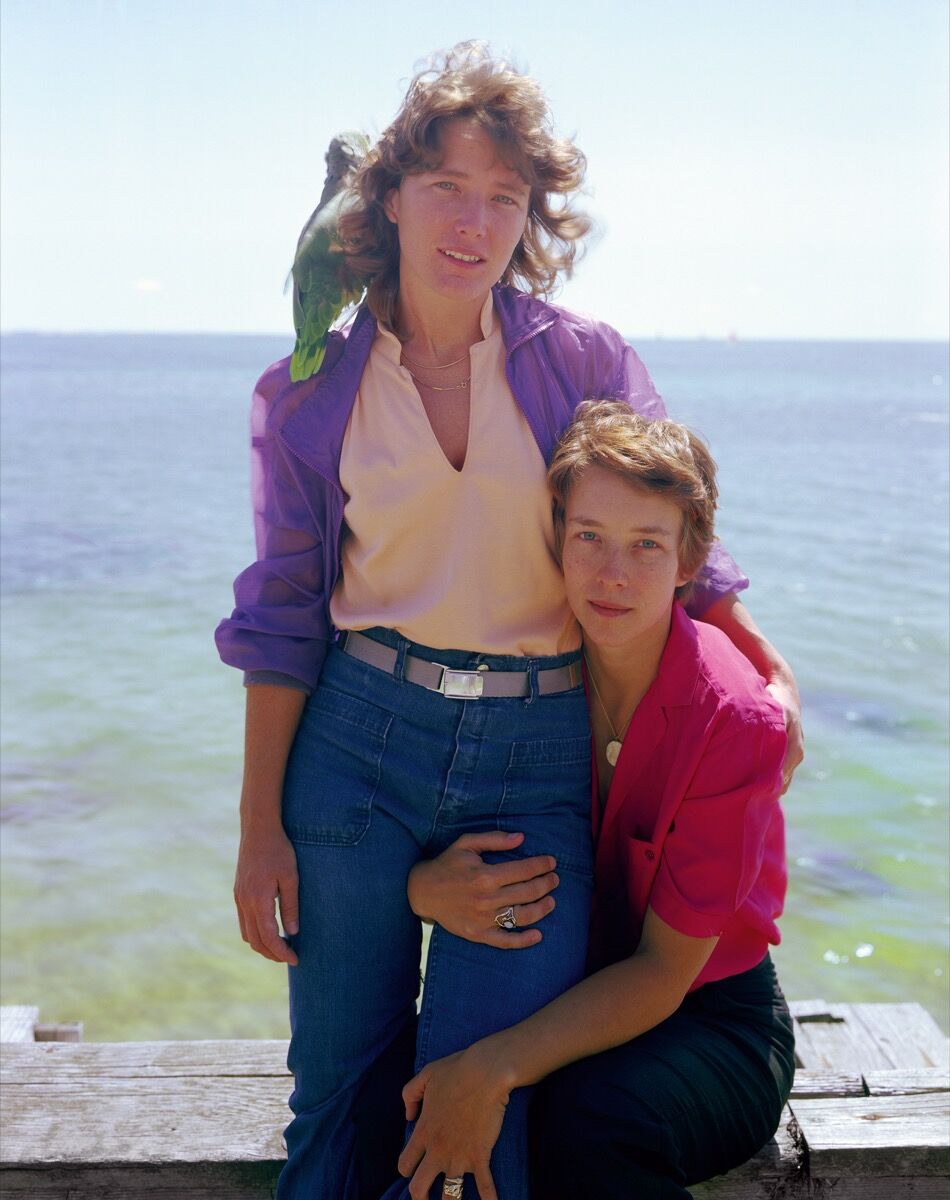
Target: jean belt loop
399	670
533	691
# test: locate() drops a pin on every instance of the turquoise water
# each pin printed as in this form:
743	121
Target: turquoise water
125	519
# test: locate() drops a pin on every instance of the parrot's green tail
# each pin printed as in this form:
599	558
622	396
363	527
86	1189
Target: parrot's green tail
307	360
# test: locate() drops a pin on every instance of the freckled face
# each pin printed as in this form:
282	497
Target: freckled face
621	561
459	225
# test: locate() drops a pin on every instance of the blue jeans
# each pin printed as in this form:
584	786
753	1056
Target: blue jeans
383	773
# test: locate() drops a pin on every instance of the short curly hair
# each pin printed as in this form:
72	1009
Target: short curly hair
468	82
663	457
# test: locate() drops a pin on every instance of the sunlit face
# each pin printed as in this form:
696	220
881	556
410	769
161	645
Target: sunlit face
621	561
458	225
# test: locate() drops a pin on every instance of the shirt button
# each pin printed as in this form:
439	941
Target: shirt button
650	856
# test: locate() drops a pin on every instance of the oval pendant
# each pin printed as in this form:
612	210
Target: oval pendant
612	753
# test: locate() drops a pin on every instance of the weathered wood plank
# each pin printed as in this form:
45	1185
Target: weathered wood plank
123	1191
775	1173
195	1181
855	1038
37	1061
202	1120
827	1083
95	1191
133	1185
907	1083
63	1031
876	1135
17	1022
179	1120
801	1010
832	1040
906	1032
879	1189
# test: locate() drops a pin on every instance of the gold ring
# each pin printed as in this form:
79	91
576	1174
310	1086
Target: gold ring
506	920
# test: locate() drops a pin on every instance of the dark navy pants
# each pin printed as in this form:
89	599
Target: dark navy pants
692	1098
382	773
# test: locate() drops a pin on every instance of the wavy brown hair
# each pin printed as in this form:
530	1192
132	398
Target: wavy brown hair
657	456
468	82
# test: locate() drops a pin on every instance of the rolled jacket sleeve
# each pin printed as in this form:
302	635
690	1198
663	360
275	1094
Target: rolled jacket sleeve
279	624
714	851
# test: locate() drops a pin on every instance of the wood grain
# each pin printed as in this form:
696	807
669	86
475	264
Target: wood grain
875	1135
868	1118
38	1062
907	1083
17	1022
147	1120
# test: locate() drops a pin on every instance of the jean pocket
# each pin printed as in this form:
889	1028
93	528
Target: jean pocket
547	796
333	770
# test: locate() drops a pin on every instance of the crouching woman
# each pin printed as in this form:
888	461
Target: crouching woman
672	1060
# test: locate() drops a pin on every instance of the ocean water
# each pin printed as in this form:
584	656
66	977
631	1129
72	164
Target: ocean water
125	518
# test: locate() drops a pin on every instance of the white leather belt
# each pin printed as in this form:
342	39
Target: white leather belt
460	685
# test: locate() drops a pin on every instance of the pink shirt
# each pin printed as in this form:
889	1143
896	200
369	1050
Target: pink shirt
692	826
450	558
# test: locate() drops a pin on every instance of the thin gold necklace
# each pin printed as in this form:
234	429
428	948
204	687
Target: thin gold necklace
612	749
433	367
456	387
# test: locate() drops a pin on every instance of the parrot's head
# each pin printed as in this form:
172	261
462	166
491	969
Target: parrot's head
345	153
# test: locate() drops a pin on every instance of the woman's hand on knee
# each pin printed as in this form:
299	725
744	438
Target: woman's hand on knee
267	873
458	1104
464	894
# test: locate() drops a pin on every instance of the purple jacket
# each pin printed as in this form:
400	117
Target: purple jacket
281	622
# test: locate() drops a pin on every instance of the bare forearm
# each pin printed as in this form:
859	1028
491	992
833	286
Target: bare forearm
273	714
609	1008
459	1102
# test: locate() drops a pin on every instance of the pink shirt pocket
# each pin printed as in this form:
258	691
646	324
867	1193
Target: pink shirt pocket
642	861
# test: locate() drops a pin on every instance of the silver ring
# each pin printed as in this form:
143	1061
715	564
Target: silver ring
452	1187
506	920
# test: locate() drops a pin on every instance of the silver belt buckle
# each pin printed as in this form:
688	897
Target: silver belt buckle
461	685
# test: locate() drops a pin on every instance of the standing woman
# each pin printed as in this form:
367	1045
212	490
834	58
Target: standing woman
412	660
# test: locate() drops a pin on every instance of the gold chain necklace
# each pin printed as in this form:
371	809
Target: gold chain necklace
455	387
612	749
437	367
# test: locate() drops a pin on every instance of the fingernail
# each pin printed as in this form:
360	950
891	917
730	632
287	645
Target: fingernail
291	927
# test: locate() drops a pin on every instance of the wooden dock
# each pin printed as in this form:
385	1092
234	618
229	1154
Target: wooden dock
868	1119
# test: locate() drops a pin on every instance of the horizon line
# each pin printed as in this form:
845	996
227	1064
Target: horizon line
731	337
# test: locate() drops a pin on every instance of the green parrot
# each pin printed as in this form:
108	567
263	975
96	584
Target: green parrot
320	290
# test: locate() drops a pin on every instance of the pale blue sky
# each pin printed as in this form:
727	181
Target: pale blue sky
772	168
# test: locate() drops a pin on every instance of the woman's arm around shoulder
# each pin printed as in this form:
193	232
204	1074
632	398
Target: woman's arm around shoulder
731	616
